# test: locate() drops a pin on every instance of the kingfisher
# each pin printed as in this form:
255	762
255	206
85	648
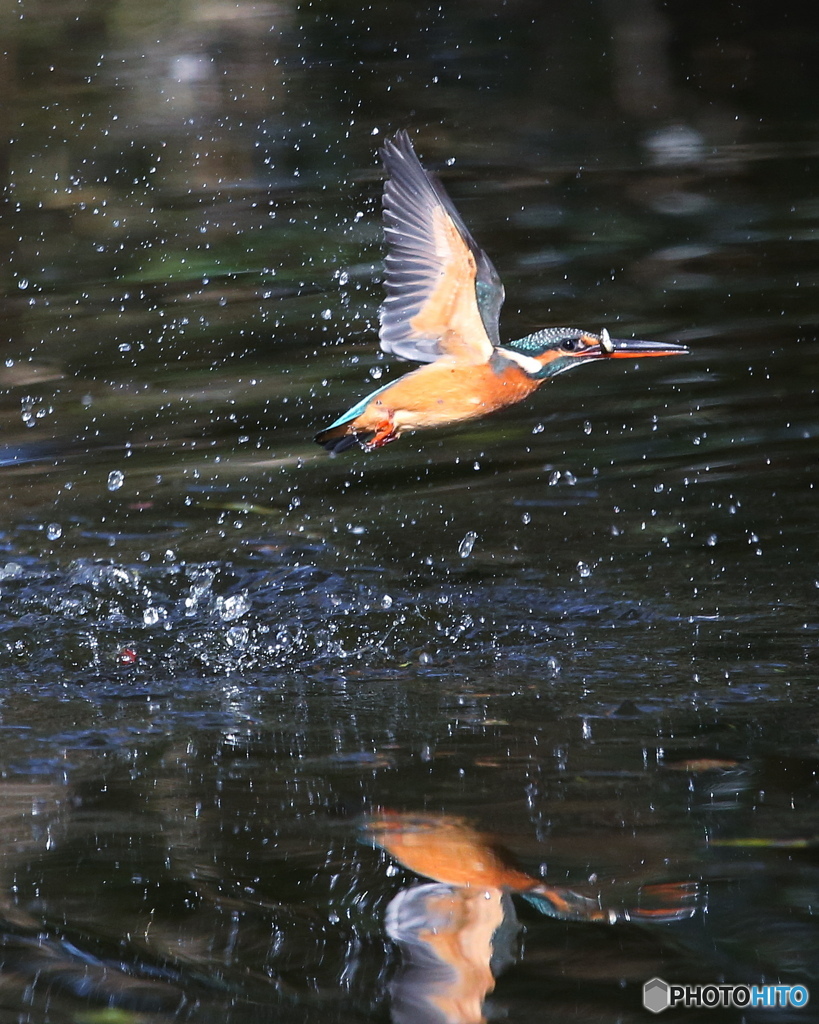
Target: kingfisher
443	310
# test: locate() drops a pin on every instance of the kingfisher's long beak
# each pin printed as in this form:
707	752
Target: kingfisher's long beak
616	348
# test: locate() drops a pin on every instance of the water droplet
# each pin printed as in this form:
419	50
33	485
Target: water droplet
467	544
569	478
526	518
376	372
587	427
54	531
538	428
238	636
233	607
386	601
659	488
424	658
22	284
711	540
116	478
554	477
326	314
584	570
150	616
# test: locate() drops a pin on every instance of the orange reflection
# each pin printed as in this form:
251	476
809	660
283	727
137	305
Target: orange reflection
457	934
448	849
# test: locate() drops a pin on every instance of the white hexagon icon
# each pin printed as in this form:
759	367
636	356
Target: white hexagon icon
656	995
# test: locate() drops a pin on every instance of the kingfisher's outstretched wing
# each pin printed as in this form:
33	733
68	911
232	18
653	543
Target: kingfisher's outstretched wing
443	294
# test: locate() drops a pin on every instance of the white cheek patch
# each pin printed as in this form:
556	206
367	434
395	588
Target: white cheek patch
528	364
606	344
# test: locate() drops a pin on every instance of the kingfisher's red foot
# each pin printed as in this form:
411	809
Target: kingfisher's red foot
385	432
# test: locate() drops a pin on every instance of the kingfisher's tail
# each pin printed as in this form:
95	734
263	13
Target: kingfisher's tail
336	439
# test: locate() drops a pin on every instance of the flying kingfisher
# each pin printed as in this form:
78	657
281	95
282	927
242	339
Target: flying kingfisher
443	309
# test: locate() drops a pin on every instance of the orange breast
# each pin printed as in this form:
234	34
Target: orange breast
447	391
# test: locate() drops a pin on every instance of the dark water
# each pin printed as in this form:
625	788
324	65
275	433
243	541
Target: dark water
586	625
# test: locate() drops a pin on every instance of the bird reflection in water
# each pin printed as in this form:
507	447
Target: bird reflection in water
454	941
458	933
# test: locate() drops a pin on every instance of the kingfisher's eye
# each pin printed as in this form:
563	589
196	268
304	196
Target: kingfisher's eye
570	344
